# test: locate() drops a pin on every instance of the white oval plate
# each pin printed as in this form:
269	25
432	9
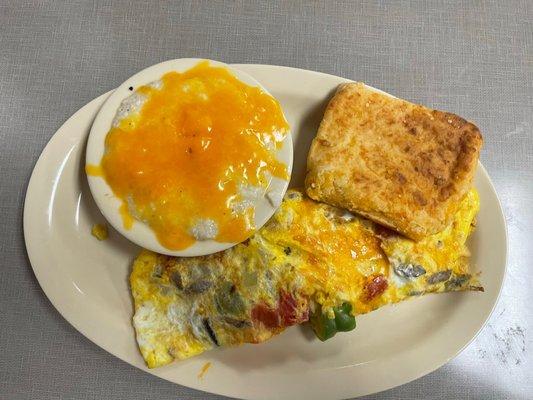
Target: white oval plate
109	204
86	280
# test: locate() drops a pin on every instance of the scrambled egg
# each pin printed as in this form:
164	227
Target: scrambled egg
99	231
309	257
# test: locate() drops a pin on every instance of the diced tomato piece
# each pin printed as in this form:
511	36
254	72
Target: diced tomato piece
289	311
269	317
375	286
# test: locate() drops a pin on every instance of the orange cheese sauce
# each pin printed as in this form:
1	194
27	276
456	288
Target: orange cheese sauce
185	154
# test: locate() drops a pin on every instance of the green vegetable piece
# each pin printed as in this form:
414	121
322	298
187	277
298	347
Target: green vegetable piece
325	328
228	300
344	320
249	278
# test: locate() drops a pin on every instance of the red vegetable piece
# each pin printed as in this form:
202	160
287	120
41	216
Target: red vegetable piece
375	286
289	311
269	317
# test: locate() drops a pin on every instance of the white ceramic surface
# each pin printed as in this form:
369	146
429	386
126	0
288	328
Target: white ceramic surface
109	204
86	280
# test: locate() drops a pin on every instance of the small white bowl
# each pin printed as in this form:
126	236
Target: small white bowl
140	233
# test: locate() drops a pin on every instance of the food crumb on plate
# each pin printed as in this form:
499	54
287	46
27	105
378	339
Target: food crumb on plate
204	370
99	231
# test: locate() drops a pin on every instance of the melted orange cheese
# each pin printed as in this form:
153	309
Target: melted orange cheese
338	256
184	156
94	170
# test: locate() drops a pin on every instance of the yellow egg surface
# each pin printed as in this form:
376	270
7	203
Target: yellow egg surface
308	257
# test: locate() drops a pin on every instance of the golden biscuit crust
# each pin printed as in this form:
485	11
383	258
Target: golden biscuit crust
400	164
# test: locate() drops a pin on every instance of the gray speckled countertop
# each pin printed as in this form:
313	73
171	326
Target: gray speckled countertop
472	58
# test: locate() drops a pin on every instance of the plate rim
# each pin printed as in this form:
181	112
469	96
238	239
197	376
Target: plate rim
33	257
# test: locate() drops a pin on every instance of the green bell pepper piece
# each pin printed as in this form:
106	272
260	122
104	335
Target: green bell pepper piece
325	328
344	319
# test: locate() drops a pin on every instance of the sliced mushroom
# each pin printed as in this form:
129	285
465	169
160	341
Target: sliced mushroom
409	270
439	277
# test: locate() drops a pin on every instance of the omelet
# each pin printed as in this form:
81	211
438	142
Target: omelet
310	262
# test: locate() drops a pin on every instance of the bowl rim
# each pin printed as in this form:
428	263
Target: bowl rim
140	233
